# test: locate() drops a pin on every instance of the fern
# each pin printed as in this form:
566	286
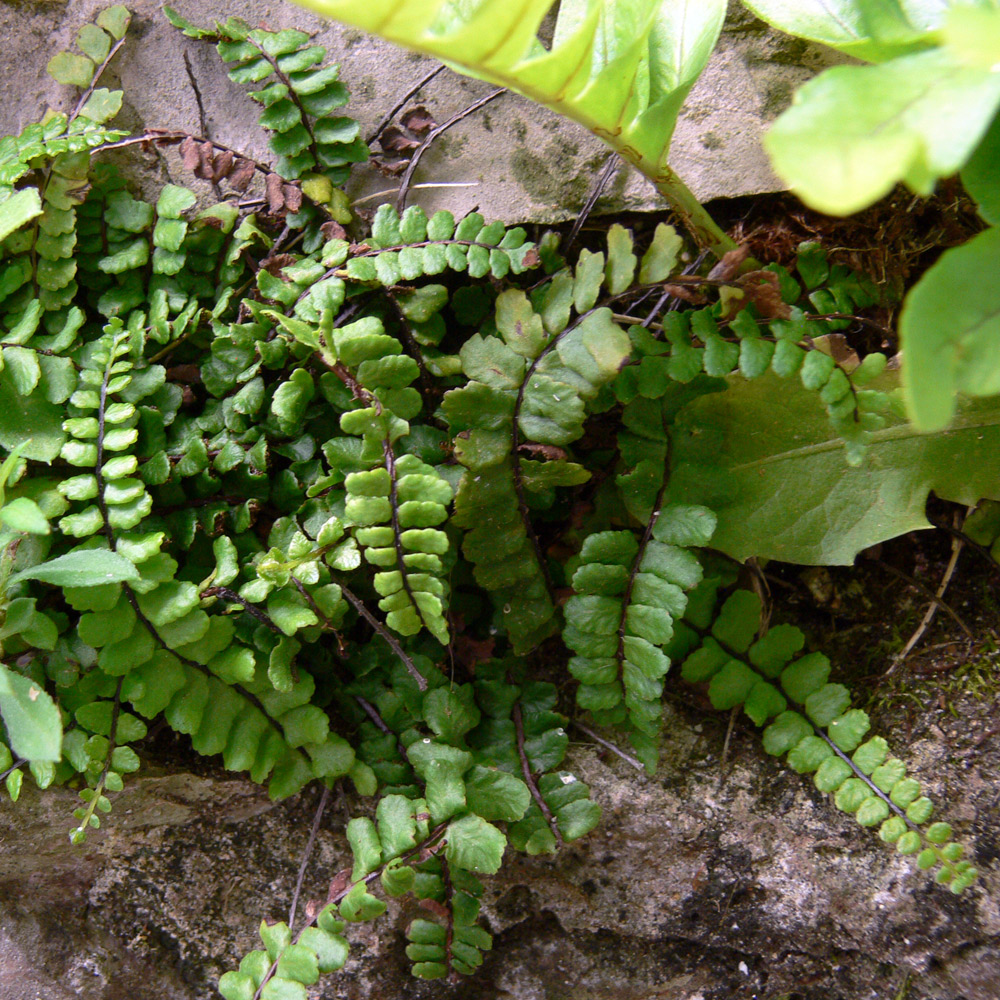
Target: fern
812	722
628	595
316	502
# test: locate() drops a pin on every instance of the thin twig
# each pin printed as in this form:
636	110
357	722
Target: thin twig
610	746
413	187
980	550
231	597
404	184
98	73
933	595
398	106
307	854
390	639
956	547
725	746
607	172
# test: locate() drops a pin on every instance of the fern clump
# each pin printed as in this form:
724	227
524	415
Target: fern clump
370	506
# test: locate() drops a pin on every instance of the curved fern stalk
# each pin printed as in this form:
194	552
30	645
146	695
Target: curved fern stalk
621	68
812	722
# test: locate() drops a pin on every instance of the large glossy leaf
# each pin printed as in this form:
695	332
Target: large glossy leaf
621	68
763	457
873	30
83	568
950	331
855	132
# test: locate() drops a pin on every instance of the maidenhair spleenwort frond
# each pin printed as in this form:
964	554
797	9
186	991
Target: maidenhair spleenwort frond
628	594
299	94
456	765
621	68
529	391
764	321
811	721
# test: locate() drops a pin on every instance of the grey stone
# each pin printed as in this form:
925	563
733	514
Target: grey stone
713	881
518	162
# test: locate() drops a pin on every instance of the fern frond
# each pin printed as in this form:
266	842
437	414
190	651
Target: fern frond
299	93
530	386
811	721
628	595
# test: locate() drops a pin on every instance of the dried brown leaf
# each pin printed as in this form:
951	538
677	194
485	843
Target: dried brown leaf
333	230
190	156
729	266
548	451
418	120
339	885
273	187
763	289
393	169
206	154
292	195
222	165
395	140
273	265
685	294
433	906
241	174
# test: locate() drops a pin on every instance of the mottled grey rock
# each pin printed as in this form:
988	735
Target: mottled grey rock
523	162
712	881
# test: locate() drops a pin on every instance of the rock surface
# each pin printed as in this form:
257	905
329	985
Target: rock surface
518	162
713	881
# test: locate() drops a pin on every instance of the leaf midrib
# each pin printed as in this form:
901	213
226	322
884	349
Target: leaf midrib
886	436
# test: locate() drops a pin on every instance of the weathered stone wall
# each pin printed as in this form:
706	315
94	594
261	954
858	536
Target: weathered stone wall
713	881
524	162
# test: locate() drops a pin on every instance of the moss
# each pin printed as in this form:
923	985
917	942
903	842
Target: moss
569	189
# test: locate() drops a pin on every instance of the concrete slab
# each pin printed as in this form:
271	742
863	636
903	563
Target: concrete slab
520	162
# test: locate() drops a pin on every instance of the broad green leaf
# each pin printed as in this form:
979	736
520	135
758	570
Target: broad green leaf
115	20
33	723
29	421
854	132
872	30
777	478
981	172
102	105
621	69
17	209
25	515
94	42
950	332
83	568
496	795
972	35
